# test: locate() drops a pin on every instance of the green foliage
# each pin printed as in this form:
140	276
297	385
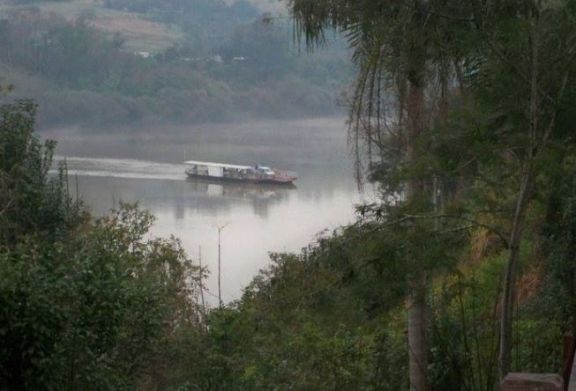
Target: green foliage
95	304
463	328
30	201
498	110
325	319
92	311
82	303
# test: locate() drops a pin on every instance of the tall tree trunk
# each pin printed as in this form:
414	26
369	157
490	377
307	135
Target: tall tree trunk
416	123
417	342
512	271
522	202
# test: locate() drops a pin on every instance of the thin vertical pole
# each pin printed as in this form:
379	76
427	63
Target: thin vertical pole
201	283
77	189
67	185
220	228
219	270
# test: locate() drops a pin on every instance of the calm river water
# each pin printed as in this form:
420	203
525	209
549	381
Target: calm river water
145	166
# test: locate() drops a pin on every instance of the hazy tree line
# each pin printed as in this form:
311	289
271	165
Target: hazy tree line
80	75
197	17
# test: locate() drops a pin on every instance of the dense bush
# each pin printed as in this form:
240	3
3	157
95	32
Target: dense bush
83	303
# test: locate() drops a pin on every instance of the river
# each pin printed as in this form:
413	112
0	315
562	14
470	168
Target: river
144	165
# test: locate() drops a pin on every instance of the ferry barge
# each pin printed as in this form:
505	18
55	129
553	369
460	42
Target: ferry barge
236	173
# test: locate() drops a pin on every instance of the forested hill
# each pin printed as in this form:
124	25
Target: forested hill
115	62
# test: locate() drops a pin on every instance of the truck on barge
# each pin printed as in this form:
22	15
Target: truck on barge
236	173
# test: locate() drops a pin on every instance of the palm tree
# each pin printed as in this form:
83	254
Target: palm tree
396	46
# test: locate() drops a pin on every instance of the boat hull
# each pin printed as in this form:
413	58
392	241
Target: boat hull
268	181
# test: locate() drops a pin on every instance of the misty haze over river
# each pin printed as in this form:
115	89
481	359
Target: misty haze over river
145	166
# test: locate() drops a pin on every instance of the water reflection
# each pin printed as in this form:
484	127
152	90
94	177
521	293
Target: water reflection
260	196
259	218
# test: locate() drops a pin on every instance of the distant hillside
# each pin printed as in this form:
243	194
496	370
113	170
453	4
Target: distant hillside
96	63
276	6
139	32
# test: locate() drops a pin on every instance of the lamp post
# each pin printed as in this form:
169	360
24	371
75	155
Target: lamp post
220	228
